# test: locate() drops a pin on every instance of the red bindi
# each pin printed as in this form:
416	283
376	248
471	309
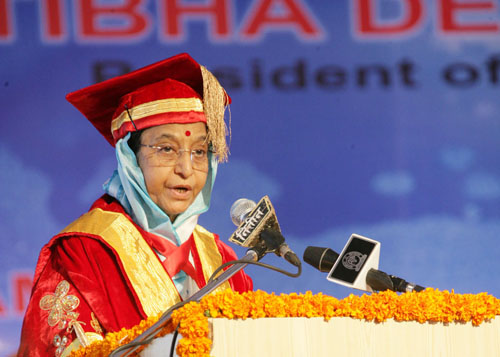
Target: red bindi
188	133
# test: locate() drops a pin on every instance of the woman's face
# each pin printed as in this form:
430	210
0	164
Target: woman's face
173	185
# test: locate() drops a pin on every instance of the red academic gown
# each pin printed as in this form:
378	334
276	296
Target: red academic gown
81	279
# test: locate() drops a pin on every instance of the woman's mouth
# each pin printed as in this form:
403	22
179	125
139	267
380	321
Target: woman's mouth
181	192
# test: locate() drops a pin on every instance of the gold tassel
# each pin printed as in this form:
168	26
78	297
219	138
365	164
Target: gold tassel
215	100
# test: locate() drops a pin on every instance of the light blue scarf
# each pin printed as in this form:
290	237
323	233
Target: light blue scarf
127	185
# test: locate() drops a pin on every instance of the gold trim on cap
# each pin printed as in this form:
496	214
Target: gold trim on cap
169	105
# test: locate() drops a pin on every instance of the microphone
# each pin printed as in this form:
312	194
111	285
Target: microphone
276	242
380	281
259	229
324	260
240	209
320	258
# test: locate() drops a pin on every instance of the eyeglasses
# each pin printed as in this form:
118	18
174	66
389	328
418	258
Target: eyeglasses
166	155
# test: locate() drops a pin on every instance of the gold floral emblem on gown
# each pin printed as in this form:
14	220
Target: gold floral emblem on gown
60	306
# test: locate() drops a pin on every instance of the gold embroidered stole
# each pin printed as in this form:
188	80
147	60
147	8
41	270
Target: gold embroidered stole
153	286
209	254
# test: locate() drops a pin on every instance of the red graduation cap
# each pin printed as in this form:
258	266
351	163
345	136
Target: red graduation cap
175	90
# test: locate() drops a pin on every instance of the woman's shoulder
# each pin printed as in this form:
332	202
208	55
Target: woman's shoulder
87	231
108	203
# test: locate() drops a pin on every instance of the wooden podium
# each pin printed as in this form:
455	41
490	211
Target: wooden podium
344	336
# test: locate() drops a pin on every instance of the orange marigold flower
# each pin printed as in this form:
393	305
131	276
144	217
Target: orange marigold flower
428	305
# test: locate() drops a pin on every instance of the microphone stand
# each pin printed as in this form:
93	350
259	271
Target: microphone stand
155	329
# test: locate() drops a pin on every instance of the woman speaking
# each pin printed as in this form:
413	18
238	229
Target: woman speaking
139	250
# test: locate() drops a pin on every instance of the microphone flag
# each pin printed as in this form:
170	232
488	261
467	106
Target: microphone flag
261	217
359	255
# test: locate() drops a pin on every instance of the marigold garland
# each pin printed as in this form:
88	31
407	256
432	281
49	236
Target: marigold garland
429	305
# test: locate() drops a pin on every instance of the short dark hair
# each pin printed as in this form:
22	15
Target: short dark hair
134	142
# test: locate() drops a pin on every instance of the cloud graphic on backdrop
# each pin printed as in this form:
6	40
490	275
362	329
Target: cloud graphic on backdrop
26	224
482	186
438	251
5	347
457	158
393	183
239	179
485	109
92	189
25	220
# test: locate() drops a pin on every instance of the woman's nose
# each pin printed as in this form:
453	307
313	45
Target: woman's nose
184	165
